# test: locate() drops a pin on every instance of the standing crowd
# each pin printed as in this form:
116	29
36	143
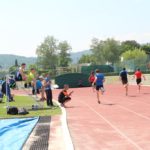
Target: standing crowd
40	84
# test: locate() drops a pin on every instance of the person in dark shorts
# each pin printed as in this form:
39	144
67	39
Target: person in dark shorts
48	90
99	79
138	75
124	78
64	96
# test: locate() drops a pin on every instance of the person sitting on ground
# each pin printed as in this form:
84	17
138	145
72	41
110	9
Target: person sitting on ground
64	96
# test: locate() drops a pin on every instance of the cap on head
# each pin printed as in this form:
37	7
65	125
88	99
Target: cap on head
41	77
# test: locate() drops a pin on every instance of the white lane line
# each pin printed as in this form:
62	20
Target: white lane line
66	133
116	129
140	115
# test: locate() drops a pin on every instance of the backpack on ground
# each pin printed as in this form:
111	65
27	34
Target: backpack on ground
12	110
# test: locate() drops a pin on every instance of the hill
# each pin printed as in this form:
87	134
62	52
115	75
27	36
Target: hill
75	56
7	60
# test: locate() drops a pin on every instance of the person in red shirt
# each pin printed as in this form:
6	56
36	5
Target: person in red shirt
92	79
138	75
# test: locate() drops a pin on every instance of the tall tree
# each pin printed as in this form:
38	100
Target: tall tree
86	59
107	51
16	63
146	48
129	45
47	53
97	50
64	55
136	56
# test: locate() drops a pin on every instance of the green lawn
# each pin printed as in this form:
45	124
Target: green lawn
27	102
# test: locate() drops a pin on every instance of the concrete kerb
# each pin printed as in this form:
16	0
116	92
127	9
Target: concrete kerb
64	125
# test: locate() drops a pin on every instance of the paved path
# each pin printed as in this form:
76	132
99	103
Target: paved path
119	123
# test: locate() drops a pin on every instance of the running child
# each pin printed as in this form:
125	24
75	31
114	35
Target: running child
124	78
92	79
64	96
138	75
99	80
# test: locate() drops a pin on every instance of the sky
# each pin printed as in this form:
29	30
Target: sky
25	23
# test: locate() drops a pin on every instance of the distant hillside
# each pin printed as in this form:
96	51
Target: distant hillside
75	56
7	60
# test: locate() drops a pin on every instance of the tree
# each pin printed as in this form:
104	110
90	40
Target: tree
137	54
64	55
129	45
86	59
146	48
97	50
135	58
16	63
106	51
47	53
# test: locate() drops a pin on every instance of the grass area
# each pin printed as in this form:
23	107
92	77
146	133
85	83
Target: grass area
27	102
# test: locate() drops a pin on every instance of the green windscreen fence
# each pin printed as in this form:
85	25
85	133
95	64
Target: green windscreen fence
74	80
102	68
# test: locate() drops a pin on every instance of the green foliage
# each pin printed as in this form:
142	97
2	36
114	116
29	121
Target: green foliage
27	102
137	54
87	59
106	51
146	48
64	55
129	45
135	58
102	68
12	69
47	53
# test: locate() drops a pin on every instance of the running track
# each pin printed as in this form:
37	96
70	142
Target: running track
119	123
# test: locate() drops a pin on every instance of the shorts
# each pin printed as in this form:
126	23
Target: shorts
138	81
124	81
98	87
64	99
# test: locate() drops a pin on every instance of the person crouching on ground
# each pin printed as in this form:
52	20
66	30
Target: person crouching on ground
64	96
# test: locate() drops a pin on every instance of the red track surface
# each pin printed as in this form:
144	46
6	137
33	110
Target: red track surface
119	123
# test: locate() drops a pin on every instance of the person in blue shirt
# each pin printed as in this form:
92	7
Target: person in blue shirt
124	78
48	91
99	79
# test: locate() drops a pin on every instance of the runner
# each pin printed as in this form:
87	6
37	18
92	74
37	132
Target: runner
138	75
124	78
99	79
91	80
